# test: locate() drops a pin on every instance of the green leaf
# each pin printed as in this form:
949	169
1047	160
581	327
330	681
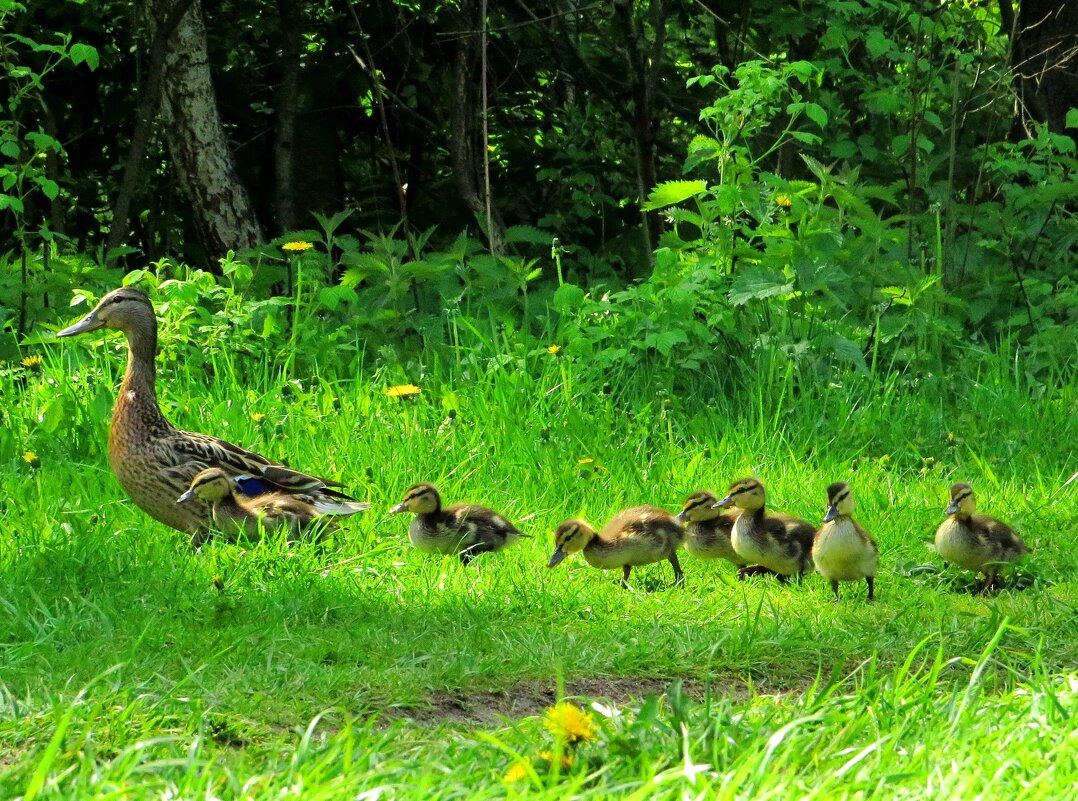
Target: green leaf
567	298
50	188
1072	118
84	54
673	192
846	349
757	284
11	202
664	341
10	148
529	234
816	113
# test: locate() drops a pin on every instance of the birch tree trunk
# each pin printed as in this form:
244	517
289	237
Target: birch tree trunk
201	153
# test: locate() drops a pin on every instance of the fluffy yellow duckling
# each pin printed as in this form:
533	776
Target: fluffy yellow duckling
842	550
976	542
269	511
638	536
781	543
707	529
464	529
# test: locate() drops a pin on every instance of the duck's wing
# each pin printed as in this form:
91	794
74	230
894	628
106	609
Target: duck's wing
208	451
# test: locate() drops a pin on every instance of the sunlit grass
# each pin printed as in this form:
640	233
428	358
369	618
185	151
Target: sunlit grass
131	667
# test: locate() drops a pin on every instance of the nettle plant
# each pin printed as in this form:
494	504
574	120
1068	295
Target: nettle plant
757	264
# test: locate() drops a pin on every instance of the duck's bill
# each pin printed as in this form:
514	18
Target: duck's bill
557	558
727	501
952	507
396	510
832	513
186	496
90	322
681	516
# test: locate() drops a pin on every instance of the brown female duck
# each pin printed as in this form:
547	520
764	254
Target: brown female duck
153	460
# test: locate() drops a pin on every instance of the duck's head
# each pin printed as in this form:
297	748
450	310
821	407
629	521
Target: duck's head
125	309
745	493
839	501
963	502
571	537
211	485
419	499
699	506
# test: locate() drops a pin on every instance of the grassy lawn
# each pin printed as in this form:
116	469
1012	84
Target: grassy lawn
365	669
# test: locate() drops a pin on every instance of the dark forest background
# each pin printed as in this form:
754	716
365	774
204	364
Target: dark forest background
840	181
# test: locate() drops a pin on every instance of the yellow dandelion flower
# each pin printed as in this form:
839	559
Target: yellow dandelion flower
31	459
403	391
518	772
566	761
553	350
585	460
570	724
258	417
784	201
296	247
32	362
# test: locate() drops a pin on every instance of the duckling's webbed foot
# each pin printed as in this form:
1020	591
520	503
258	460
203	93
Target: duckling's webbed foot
625	571
871	582
753	570
834	589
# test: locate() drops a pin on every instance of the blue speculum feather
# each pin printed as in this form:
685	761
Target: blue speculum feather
253	487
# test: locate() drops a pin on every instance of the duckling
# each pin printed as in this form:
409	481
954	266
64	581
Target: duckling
464	529
269	510
976	542
779	542
707	530
842	550
637	536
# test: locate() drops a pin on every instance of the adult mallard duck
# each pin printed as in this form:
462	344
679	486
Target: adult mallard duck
842	550
153	460
234	511
464	529
781	543
976	542
638	536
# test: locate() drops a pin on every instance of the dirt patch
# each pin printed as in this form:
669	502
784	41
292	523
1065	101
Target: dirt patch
531	698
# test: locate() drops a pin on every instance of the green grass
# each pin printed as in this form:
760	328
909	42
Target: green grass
366	667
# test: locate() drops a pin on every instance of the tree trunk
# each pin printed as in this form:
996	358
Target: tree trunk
149	94
1044	53
643	71
201	155
285	99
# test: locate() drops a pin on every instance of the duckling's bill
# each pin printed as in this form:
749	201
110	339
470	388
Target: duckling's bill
952	508
557	558
186	496
725	503
396	510
832	513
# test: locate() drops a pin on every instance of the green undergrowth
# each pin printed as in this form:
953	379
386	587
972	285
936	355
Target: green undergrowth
132	667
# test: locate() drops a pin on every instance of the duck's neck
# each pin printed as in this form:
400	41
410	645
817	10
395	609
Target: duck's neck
137	398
